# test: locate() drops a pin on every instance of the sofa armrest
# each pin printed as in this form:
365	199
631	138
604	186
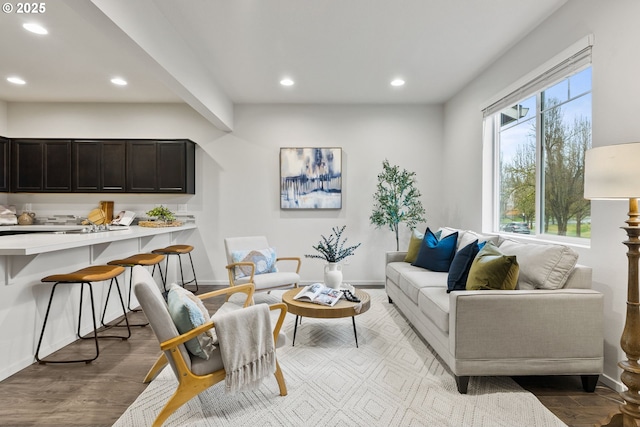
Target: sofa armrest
395	256
546	324
580	278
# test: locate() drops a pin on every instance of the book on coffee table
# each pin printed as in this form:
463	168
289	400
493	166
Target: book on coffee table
319	294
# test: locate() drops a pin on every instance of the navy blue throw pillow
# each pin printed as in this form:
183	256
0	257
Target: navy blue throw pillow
460	266
434	254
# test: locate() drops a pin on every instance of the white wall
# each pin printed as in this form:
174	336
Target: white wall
237	174
248	165
615	91
3	117
3	131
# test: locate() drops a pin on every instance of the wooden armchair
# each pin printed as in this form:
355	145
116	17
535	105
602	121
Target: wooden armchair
247	272
194	374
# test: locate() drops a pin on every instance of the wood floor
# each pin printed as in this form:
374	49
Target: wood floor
96	394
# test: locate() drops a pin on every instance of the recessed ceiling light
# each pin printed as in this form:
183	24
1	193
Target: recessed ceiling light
16	80
286	82
397	82
118	81
35	28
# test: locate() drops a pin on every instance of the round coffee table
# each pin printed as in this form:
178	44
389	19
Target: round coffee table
343	308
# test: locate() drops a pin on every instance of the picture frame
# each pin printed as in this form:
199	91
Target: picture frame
311	178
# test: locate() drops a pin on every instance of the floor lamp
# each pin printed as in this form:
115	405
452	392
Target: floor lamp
613	172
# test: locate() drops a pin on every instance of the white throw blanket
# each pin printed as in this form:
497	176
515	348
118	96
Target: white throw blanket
246	345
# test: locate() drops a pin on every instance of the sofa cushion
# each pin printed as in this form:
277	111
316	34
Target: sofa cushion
434	303
491	269
541	266
459	270
414	246
411	281
469	236
447	231
434	254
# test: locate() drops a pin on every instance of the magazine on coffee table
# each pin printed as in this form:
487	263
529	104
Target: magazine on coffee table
319	294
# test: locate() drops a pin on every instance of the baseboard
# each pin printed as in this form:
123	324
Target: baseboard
356	283
612	383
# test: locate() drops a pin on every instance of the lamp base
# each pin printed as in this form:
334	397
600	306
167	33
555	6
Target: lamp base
616	419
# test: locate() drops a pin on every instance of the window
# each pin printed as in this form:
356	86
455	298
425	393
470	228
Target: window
539	141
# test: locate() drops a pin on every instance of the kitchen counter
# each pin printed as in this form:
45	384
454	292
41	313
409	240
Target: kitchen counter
41	238
26	258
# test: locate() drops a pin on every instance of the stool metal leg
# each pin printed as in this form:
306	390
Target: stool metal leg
192	269
46	317
195	279
128	303
131	291
162	277
124	312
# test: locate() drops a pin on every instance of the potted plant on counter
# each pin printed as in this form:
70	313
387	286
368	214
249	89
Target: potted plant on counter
162	214
332	250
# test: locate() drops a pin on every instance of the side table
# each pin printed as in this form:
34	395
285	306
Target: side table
343	308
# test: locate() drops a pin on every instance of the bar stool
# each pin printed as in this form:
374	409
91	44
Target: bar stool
85	276
177	250
130	262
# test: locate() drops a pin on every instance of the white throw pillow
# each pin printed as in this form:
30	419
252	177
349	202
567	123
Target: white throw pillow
541	266
447	231
469	237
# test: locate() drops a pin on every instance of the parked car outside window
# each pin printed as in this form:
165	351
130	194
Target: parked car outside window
517	227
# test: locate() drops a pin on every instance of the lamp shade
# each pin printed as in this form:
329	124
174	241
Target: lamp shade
612	172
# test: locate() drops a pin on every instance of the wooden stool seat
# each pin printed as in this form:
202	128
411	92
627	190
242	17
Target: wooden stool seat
174	250
95	273
85	276
133	260
177	250
139	259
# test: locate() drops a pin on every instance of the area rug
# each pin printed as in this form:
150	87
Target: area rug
392	379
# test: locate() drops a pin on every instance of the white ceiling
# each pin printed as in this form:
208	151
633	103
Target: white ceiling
337	51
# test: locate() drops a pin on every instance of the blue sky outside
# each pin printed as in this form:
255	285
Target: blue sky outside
577	86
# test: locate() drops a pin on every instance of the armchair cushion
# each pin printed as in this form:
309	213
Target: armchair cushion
188	312
263	259
271	280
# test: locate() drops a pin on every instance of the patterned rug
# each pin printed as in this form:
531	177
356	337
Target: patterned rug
393	379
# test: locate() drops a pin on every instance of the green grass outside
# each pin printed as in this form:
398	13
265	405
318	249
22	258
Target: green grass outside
585	229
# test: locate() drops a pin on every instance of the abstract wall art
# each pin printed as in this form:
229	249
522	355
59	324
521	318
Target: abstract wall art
310	178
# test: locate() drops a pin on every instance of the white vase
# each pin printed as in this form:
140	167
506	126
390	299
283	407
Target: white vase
333	275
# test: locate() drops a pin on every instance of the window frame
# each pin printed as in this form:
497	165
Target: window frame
570	62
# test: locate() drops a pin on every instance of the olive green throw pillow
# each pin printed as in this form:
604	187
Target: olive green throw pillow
491	269
414	246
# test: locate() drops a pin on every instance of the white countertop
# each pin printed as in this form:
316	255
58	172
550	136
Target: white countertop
36	243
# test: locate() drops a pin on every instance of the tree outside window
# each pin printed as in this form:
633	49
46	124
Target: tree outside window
541	143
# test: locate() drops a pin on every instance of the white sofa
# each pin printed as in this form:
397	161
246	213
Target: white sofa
527	331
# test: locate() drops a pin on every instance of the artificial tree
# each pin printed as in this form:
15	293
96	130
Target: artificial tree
396	200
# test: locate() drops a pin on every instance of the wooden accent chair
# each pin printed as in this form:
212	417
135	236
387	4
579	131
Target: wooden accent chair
247	272
194	374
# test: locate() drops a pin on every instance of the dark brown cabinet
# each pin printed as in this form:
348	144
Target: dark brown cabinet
41	166
99	166
5	162
161	167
